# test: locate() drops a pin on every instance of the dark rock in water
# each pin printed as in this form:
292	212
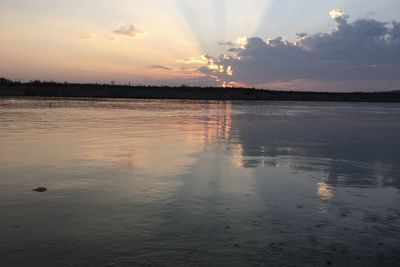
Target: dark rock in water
40	189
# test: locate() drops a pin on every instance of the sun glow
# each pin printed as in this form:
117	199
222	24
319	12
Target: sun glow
242	42
55	40
336	13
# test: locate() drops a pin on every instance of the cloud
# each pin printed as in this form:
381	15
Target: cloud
227	43
339	16
159	67
363	50
129	31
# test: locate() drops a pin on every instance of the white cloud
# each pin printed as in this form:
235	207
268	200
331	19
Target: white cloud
337	13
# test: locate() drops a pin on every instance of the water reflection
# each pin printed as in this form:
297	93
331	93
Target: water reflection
353	146
167	182
325	191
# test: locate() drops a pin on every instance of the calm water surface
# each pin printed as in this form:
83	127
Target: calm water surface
191	183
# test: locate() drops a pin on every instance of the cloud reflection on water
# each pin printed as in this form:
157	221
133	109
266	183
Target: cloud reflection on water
353	146
162	178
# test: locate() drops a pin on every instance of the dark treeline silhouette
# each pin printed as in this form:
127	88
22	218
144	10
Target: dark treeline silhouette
38	88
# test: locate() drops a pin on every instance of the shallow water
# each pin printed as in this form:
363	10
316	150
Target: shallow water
199	183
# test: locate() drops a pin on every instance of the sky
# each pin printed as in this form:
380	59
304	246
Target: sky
342	45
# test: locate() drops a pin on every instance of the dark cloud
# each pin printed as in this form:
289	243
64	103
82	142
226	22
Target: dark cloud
301	34
129	31
363	50
227	43
159	67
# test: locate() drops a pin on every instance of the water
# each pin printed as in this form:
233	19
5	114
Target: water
192	183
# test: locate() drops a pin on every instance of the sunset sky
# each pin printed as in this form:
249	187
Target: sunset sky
293	44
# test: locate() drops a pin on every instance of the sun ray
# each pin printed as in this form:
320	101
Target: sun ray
197	17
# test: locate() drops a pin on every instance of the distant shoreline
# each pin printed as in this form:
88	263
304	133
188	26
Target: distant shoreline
99	91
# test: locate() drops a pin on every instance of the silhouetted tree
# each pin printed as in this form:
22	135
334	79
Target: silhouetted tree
5	81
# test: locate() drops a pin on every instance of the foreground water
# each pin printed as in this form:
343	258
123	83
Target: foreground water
189	183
